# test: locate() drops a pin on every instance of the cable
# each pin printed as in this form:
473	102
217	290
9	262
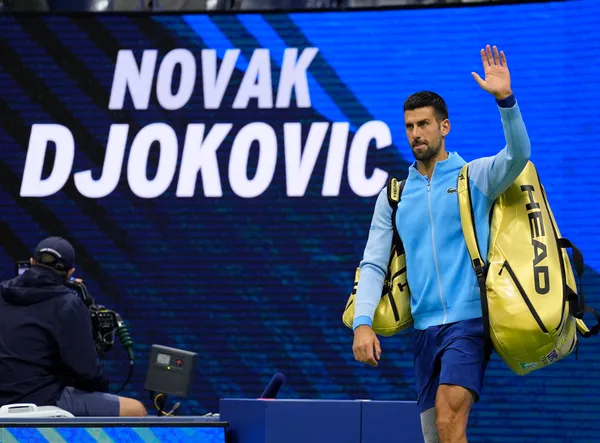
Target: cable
159	403
127	344
175	407
131	364
155	400
124	336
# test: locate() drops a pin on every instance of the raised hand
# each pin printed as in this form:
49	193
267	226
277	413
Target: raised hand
495	69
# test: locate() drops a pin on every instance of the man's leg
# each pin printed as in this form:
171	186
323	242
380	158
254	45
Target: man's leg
99	404
427	374
463	365
130	407
452	405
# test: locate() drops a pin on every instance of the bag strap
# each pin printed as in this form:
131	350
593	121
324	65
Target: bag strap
594	330
394	194
577	304
467	218
576	301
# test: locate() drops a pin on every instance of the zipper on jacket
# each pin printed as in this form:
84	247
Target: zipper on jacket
437	268
512	275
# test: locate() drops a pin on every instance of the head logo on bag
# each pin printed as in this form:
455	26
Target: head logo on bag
538	234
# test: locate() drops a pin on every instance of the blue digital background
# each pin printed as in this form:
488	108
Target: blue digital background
163	434
257	286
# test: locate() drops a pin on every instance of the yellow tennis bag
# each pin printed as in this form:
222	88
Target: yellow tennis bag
530	305
392	314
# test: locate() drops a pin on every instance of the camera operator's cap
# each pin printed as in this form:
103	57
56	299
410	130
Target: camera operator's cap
58	247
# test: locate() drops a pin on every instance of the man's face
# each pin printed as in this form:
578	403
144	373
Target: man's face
424	133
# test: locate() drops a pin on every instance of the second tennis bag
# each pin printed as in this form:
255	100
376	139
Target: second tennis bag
393	313
531	307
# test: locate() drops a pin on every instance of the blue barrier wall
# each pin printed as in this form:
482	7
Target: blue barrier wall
249	262
107	430
111	434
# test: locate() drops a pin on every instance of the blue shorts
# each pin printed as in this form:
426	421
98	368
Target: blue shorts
89	404
449	354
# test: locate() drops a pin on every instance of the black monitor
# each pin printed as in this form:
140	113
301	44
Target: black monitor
170	371
21	266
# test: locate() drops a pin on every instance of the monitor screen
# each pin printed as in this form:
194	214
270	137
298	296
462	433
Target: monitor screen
22	266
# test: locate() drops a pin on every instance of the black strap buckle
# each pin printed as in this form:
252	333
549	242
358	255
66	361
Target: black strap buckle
480	269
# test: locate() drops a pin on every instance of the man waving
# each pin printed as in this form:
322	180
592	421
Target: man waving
449	346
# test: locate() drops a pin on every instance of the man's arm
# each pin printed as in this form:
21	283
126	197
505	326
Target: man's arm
493	175
77	347
373	266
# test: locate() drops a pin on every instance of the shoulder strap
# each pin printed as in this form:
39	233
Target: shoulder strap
467	218
394	191
577	304
394	194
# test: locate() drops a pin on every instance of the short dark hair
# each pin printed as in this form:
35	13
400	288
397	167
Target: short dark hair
424	99
50	261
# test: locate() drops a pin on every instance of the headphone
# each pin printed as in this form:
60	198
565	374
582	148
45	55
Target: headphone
60	266
55	267
82	291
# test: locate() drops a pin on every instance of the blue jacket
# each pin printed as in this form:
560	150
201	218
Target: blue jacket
440	275
46	340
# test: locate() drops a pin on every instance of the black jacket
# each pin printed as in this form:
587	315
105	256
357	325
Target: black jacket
46	340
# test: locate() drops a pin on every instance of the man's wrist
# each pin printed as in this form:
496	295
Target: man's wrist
507	101
362	321
501	95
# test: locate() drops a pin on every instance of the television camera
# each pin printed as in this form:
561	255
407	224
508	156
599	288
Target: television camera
106	323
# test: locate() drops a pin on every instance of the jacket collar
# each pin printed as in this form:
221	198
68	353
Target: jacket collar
453	162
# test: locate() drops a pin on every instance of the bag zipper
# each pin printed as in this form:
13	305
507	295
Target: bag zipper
387	292
392	302
523	294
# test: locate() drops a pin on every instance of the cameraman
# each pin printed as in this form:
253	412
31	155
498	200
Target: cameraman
47	350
